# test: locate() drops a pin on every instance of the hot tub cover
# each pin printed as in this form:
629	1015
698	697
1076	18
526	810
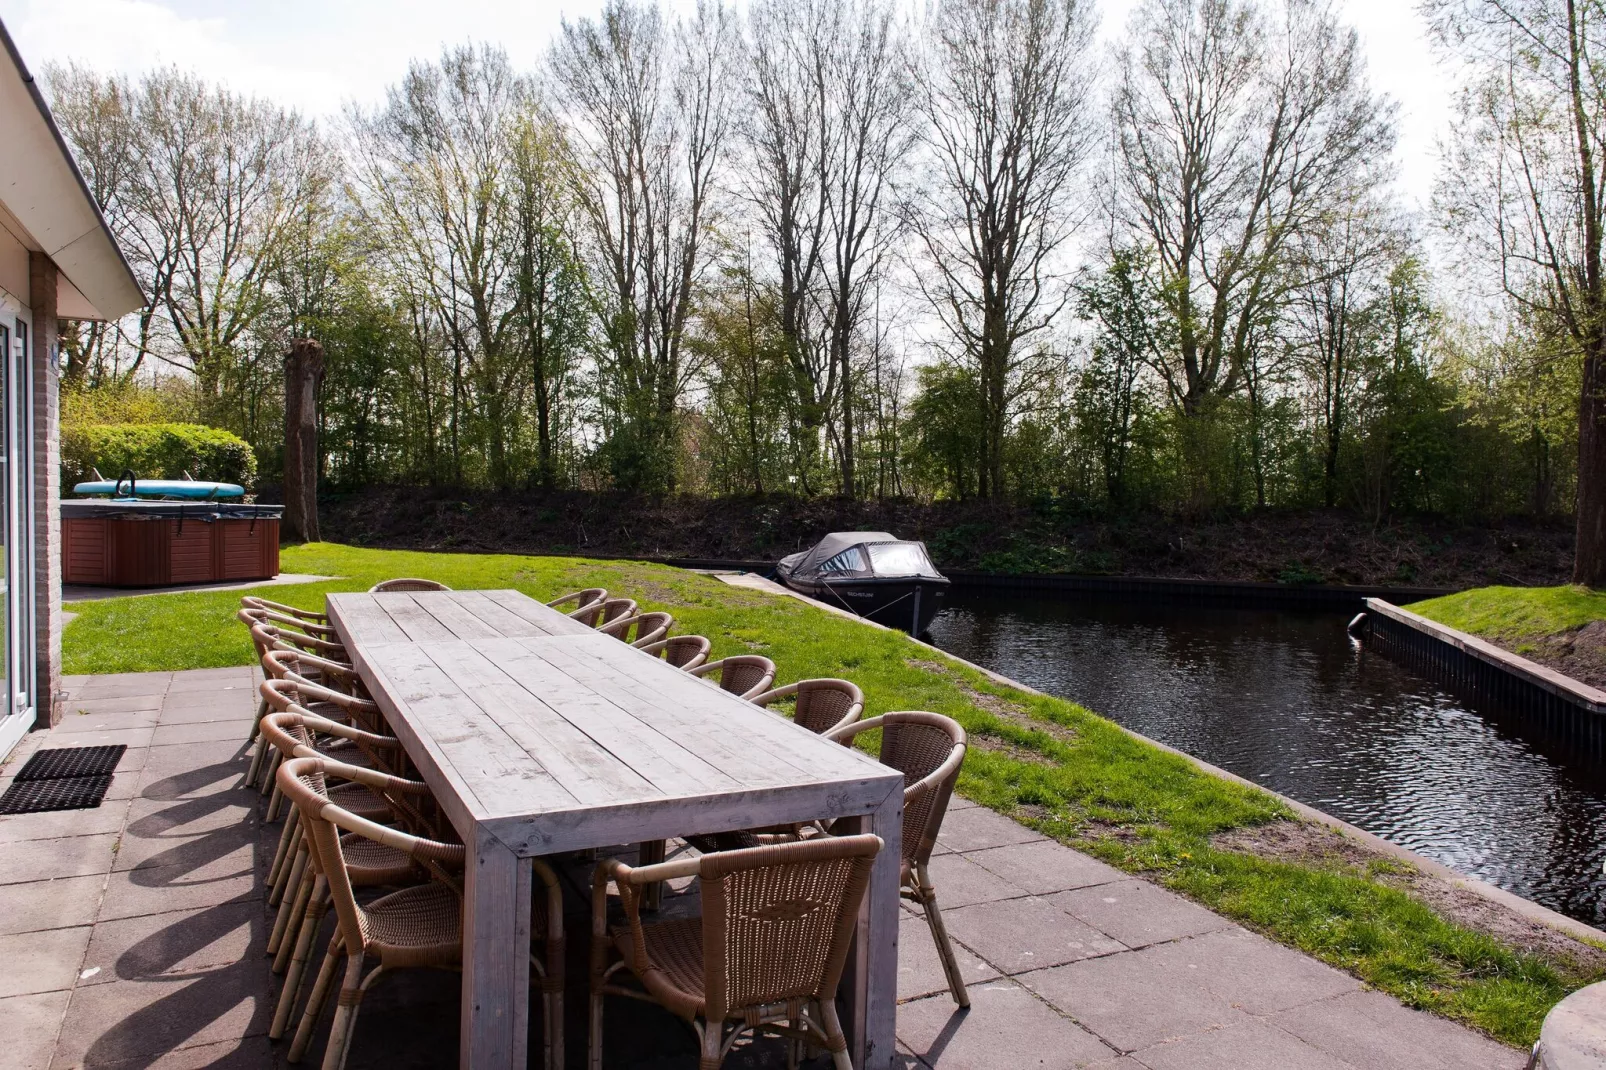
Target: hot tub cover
129	509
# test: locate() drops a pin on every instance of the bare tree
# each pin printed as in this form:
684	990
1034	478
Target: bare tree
1525	186
870	97
788	129
1006	87
1236	132
647	114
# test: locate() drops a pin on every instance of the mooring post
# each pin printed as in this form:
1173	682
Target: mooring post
303	372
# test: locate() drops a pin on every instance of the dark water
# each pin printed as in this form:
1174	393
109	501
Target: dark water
1287	700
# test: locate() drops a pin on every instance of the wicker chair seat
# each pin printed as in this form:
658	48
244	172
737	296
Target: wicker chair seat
421	926
373	864
676	951
362	801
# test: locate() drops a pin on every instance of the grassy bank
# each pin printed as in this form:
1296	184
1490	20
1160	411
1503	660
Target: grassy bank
1514	616
1047	762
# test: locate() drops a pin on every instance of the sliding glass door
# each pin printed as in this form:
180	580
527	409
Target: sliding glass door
16	533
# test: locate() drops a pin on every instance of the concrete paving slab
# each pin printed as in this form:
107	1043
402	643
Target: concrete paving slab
252	1053
124	685
171	761
961	883
70	856
241	713
235	695
210	679
977	828
192	851
189	942
1006	1026
1017	935
1043	866
151	890
140	709
52	824
57	904
41	961
1372	1030
1249	1045
212	730
1253	973
1133	1000
920	971
212	768
130	1020
165	818
1138	913
31	1025
135	738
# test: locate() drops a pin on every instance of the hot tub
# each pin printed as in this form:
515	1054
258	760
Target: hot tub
162	543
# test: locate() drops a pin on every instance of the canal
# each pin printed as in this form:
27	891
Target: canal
1287	700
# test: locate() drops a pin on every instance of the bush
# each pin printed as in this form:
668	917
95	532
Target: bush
155	451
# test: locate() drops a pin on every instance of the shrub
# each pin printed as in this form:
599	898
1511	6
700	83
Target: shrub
155	451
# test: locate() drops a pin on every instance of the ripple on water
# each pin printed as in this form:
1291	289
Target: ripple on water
1286	700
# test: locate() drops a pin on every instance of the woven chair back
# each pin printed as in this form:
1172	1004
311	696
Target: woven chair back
579	598
643	629
918	745
302	782
777	920
407	583
742	674
824	704
615	609
685	651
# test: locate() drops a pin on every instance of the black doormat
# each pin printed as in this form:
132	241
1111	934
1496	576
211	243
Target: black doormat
59	762
57	793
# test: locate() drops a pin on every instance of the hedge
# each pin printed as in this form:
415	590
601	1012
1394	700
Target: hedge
155	451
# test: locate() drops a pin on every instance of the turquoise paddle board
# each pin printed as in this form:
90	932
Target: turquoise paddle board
161	488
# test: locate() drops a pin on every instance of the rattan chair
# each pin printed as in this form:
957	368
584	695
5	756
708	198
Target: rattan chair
368	864
311	663
681	651
821	706
311	616
580	599
416	927
407	583
928	749
649	628
605	611
767	953
747	675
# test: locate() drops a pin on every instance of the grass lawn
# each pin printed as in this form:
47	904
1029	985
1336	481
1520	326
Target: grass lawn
1516	616
1047	762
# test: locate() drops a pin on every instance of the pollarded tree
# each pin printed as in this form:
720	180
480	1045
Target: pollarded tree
1006	87
1525	187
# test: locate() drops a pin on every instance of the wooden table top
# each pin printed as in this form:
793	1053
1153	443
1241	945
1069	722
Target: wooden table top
553	737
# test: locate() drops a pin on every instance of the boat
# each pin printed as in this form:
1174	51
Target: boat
873	574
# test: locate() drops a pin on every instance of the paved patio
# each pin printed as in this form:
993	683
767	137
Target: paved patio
132	936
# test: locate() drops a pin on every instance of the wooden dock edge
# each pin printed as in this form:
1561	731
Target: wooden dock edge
1517	904
1547	679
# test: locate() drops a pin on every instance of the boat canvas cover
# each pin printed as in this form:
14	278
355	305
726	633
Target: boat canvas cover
901	558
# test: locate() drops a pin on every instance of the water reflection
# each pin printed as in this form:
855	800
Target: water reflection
1286	700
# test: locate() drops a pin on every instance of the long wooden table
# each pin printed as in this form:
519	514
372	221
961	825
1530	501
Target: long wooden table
541	736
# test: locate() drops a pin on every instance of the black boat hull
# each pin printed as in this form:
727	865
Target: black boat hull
906	603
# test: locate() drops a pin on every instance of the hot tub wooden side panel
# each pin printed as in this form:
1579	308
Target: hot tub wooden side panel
114	552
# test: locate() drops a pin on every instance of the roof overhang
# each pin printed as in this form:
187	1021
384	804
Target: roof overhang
41	186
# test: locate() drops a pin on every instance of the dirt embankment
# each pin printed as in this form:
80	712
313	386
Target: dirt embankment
1298	547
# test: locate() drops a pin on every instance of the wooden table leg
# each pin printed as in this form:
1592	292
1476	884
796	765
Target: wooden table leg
873	987
496	958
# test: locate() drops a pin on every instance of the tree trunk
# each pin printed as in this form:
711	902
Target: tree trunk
1589	561
303	372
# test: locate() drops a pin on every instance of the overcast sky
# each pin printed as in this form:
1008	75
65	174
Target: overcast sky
317	54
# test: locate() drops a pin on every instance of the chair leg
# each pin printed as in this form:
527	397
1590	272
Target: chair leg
303	908
712	1033
269	782
594	1047
288	920
310	925
939	934
833	1035
648	854
289	874
346	1005
320	995
556	1028
261	750
287	838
